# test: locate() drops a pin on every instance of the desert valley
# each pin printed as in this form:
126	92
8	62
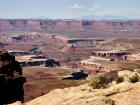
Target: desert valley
103	57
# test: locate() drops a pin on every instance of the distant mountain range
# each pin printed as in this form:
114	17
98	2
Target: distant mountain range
92	17
104	17
41	17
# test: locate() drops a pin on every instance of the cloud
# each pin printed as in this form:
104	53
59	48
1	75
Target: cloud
95	7
76	6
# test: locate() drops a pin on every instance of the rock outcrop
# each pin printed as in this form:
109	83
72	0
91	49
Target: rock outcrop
11	79
121	94
125	93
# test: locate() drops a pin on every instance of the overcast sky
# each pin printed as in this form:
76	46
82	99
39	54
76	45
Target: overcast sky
67	9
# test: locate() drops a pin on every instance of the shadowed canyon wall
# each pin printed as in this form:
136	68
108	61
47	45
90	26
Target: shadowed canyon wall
11	79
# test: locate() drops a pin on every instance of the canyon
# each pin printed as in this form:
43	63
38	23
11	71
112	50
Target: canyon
70	42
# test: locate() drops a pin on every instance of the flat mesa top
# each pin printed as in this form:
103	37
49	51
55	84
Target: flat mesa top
113	51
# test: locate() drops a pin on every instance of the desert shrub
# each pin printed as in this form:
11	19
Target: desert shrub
134	79
100	82
119	79
109	79
97	82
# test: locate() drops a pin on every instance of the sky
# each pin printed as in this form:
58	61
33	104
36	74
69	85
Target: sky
68	9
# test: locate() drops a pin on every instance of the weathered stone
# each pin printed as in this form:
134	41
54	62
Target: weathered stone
11	79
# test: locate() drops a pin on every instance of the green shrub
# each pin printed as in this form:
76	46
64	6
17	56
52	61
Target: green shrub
119	79
100	82
134	79
97	82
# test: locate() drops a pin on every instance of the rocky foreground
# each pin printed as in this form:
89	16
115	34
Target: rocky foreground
125	93
11	79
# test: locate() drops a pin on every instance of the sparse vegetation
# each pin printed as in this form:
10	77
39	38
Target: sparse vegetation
119	79
100	82
134	79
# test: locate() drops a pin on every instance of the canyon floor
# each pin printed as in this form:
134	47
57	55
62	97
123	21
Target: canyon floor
41	80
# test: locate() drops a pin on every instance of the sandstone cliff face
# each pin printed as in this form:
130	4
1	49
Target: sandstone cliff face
71	26
32	25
